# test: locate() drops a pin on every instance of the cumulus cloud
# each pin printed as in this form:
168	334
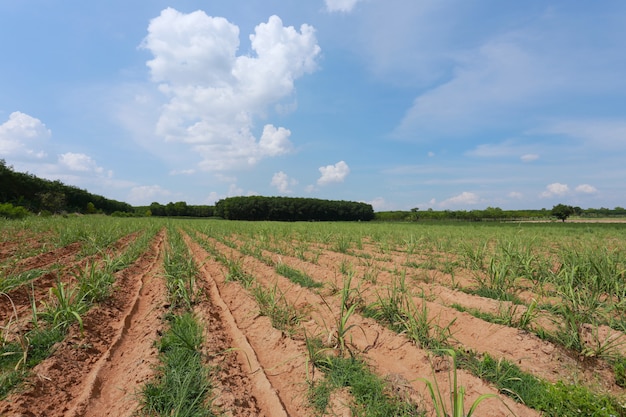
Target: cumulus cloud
379	204
214	96
333	173
555	189
79	162
146	194
21	135
340	5
465	198
586	189
275	141
282	182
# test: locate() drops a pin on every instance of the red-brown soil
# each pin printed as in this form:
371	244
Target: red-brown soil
108	359
16	303
529	352
257	370
391	355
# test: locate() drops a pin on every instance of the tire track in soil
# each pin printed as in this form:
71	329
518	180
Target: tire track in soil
268	377
97	373
391	355
526	350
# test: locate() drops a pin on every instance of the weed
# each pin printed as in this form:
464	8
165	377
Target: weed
372	395
237	273
273	304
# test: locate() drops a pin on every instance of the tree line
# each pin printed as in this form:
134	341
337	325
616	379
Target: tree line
178	209
559	211
23	191
292	209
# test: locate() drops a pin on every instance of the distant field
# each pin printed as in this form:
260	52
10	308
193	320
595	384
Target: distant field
98	315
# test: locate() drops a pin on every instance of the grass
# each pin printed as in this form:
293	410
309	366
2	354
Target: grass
182	387
553	400
180	272
273	304
373	397
296	276
66	305
398	311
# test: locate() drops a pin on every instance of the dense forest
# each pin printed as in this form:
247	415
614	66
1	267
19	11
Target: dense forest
25	191
292	209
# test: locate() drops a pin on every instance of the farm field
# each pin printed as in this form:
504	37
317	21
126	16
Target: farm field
151	316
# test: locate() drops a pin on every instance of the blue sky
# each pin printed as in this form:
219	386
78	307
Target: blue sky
399	103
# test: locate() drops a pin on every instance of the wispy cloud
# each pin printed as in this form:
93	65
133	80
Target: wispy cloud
340	5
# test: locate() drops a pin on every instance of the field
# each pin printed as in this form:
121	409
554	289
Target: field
121	317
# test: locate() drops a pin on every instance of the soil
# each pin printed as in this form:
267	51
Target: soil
96	371
256	369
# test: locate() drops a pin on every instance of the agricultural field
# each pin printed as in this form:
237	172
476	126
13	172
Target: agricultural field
104	316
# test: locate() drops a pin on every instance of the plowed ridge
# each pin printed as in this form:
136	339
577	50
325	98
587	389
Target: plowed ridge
390	354
97	372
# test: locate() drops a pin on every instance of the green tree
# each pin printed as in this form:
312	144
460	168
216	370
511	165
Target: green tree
91	208
562	211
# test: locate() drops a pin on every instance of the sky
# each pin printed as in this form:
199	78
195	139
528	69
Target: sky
440	104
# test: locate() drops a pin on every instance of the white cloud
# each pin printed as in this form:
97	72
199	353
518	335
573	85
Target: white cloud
146	194
333	173
282	182
275	141
555	189
463	199
234	190
586	189
79	162
516	195
183	172
214	96
340	5
379	204
529	157
507	148
20	134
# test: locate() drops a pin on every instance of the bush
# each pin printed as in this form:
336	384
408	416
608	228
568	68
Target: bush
8	211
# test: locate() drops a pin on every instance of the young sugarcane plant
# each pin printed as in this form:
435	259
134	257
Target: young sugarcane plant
455	406
347	309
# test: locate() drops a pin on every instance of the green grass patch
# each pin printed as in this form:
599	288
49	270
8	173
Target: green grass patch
182	386
555	400
372	395
296	276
